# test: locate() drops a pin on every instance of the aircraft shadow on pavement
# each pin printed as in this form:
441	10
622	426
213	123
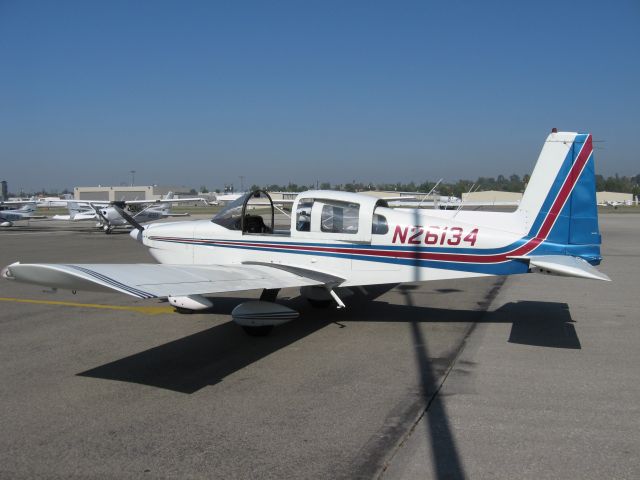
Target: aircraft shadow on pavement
542	324
205	358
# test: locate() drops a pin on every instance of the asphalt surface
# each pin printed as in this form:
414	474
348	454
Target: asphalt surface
544	384
548	385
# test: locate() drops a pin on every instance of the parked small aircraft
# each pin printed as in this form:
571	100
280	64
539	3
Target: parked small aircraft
26	212
341	239
78	212
108	217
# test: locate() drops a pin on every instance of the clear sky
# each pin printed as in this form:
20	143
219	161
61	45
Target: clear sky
199	93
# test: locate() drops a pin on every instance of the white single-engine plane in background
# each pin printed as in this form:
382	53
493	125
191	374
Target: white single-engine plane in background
108	215
26	212
340	239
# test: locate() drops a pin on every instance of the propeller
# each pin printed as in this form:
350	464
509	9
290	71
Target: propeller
127	218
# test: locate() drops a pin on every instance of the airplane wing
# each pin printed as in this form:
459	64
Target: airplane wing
17	202
84	202
160	280
161	200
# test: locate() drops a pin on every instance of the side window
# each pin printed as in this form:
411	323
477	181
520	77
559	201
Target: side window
338	217
303	215
379	225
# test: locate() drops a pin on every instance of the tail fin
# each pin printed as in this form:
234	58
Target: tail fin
165	206
74	209
28	208
559	205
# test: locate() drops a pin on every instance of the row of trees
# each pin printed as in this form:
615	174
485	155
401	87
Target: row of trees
513	183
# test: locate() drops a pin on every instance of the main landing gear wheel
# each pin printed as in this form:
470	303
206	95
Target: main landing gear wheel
261	331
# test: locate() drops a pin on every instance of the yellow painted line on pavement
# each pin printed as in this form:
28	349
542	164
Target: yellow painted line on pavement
151	310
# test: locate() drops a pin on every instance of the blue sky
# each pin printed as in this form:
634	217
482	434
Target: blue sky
199	93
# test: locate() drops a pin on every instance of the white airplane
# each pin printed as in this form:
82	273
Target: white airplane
78	212
108	214
228	197
26	212
54	201
340	239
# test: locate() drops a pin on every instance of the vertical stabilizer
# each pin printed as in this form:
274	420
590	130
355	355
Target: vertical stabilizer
559	205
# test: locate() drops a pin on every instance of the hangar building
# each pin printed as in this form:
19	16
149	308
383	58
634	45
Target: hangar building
111	194
609	197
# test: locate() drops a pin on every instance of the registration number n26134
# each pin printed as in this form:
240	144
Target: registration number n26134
434	235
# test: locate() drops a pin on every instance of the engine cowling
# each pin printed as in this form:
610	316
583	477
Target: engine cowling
6	223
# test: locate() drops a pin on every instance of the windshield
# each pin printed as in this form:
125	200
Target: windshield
230	216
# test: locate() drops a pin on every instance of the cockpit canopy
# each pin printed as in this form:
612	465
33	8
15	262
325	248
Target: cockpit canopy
317	214
251	213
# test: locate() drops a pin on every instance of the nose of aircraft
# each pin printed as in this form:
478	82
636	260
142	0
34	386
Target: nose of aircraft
137	234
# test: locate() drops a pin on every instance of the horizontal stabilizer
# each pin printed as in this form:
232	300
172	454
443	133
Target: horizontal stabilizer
563	265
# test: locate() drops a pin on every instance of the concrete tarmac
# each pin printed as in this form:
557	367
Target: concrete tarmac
537	377
548	385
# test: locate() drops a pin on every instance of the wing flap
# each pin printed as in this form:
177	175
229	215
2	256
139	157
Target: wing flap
157	280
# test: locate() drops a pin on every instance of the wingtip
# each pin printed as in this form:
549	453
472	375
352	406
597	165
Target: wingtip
6	271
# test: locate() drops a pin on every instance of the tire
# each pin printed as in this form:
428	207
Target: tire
261	331
319	303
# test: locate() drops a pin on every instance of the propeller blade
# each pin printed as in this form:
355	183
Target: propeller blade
128	218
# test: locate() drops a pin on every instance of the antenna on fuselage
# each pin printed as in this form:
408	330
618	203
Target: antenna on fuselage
430	192
471	190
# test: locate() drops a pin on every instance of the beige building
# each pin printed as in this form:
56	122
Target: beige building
614	197
492	196
112	194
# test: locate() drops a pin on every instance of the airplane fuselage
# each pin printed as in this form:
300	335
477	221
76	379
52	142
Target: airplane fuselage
414	246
